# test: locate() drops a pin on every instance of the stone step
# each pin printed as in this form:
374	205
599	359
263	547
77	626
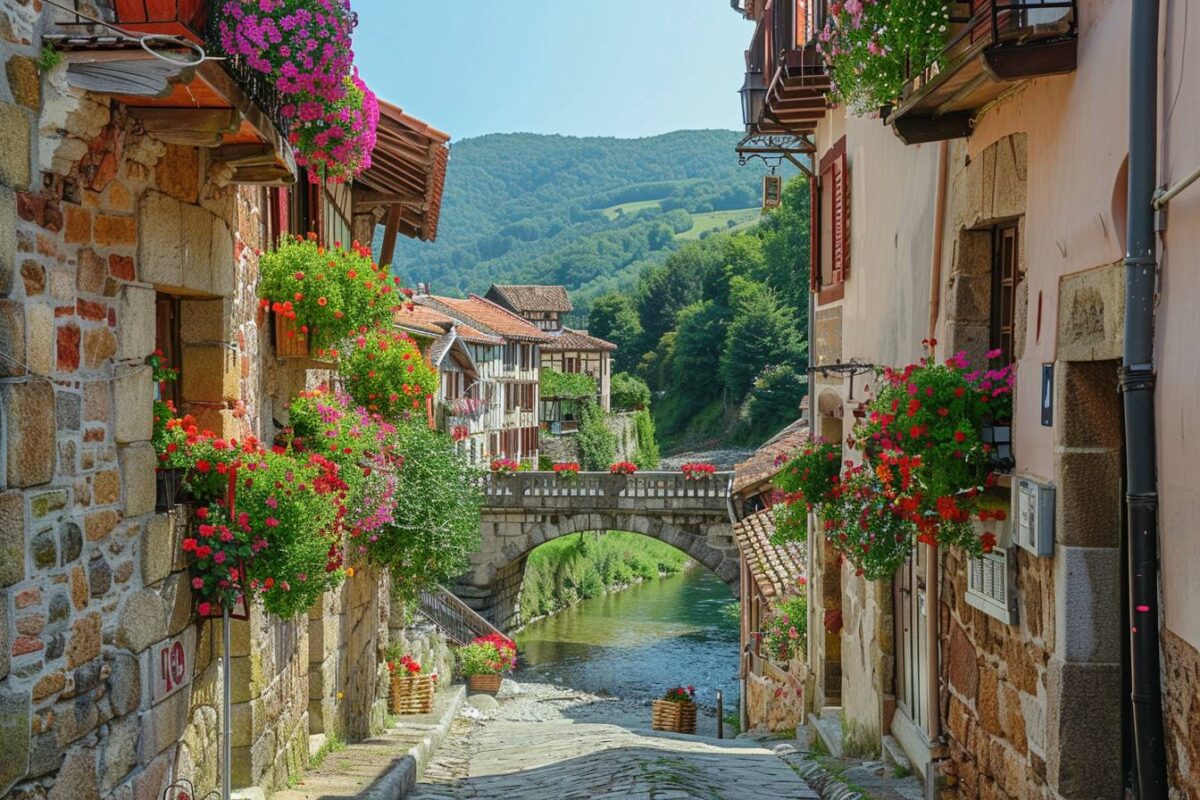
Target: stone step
828	726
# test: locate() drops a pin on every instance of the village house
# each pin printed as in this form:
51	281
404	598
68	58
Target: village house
515	373
571	351
135	196
1010	675
469	364
773	688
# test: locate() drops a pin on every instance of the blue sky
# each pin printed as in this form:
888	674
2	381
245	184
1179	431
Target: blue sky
579	67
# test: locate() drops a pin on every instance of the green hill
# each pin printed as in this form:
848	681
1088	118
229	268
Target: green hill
588	213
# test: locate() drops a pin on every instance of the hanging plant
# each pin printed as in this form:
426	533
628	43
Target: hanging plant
302	46
327	292
810	474
870	46
219	549
336	145
385	373
566	385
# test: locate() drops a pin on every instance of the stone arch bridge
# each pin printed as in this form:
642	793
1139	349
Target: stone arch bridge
526	509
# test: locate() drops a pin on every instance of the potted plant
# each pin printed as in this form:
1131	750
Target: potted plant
567	472
167	437
505	466
336	144
676	711
411	687
320	295
622	468
485	660
698	471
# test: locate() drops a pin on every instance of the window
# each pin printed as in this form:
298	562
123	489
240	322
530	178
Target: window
510	355
570	364
829	263
167	339
1005	278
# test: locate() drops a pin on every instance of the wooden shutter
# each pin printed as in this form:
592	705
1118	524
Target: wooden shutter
841	219
814	234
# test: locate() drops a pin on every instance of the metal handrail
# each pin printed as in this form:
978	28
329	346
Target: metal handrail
458	621
258	85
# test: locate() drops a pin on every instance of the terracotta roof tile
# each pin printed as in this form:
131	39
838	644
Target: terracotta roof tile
761	465
530	297
423	319
485	315
571	339
409	161
775	569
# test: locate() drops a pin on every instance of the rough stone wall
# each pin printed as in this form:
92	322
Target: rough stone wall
423	641
995	683
95	216
775	699
1181	699
868	662
565	447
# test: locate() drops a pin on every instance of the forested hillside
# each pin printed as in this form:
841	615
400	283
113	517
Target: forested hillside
588	213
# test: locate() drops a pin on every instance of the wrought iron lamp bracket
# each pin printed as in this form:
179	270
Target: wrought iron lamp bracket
851	368
772	149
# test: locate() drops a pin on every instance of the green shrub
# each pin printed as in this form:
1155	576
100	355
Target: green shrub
597	444
646	456
629	392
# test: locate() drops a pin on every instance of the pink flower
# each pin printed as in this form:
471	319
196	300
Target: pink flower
271	522
219	557
205	609
197	583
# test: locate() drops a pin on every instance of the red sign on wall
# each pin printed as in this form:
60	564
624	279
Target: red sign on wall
171	665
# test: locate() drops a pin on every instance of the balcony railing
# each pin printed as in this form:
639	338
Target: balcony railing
786	78
256	84
991	44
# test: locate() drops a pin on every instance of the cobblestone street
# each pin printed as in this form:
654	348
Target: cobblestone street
559	744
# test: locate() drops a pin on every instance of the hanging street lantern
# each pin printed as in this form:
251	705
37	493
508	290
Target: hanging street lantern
753	92
772	196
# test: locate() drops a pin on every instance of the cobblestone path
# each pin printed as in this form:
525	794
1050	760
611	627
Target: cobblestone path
552	744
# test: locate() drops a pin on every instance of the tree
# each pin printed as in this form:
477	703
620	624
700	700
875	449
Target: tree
774	400
615	319
762	334
699	339
629	392
785	246
597	444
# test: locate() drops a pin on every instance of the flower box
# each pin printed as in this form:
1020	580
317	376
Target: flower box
411	694
290	341
675	716
484	683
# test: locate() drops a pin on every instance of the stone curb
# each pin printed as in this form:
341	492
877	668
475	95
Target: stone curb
815	775
402	776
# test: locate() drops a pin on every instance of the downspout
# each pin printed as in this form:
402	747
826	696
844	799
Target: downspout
932	587
810	547
1137	388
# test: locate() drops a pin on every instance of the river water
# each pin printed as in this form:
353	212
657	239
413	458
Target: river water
639	642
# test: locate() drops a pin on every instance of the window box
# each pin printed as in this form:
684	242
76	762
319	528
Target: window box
290	341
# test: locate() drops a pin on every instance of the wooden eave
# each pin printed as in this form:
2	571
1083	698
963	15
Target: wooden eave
943	105
797	96
201	106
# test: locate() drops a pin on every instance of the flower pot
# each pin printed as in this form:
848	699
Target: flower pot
411	694
290	342
168	487
487	684
668	715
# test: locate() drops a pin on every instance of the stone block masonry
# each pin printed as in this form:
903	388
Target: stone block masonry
97	221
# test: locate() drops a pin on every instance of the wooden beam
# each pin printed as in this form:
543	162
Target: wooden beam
199	127
914	129
366	199
389	236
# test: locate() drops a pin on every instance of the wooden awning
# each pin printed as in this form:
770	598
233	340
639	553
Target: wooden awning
407	173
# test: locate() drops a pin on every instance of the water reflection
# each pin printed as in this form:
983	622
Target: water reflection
641	641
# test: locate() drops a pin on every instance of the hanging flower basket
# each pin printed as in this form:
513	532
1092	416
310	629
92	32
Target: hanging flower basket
411	694
673	715
484	683
290	340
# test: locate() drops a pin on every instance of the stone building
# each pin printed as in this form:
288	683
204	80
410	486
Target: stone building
130	219
772	691
988	209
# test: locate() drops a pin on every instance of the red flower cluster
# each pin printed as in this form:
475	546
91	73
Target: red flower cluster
505	466
698	471
623	468
681	694
566	469
406	663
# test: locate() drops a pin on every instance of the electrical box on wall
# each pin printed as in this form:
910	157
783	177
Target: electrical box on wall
1034	505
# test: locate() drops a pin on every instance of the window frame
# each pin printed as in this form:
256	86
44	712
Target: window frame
830	194
1005	251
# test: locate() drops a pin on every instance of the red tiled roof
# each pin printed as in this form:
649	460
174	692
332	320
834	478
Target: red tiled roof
485	315
532	297
761	465
409	162
775	569
571	339
423	319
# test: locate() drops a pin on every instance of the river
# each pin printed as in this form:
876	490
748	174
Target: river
639	642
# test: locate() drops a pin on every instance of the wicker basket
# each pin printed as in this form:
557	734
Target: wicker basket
411	694
669	715
294	345
488	684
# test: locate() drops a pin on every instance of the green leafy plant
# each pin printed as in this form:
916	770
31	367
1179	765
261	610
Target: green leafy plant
487	655
328	292
385	373
783	632
597	444
48	58
647	455
680	694
566	385
629	392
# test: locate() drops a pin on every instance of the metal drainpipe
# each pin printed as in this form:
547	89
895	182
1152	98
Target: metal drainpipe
1137	387
810	547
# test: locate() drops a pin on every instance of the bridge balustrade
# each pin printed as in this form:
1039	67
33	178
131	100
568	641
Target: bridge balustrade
638	492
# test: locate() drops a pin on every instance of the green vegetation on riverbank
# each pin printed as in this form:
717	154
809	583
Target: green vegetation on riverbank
566	570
